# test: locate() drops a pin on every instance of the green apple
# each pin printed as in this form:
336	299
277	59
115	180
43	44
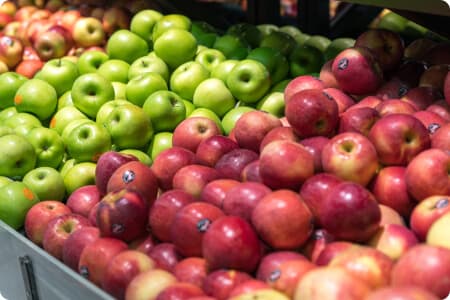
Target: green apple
119	90
17	156
267	28
210	58
280	41
249	81
185	79
170	21
319	41
336	46
142	24
16	198
38	97
204	33
90	61
213	94
275	62
160	142
295	32
149	64
64	116
90	91
140	155
106	109
129	127
190	107
60	73
233	47
305	60
224	68
48	145
273	103
87	142
414	30
7	113
65	100
46	182
140	87
246	31
4	181
22	118
114	70
80	174
4	130
175	47
126	45
66	166
393	22
231	117
207	113
165	109
9	84
198	27
280	86
72	125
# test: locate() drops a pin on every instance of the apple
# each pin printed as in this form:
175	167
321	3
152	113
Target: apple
430	168
332	250
421	97
326	75
149	284
358	120
181	40
115	18
441	108
393	88
279	40
122	269
441	137
46	182
88	31
51	44
275	62
90	61
357	71
305	59
126	45
316	243
150	63
264	293
171	21
232	116
38	217
48	145
357	219
231	242
300	83
270	263
210	150
430	120
78	175
393	240
24	120
272	103
210	58
165	255
192	178
160	141
337	45
232	46
29	67
58	231
140	87
231	164
390	216
190	132
142	24
143	244
60	73
115	70
9	84
11	49
213	94
191	270
186	77
427	212
223	69
18	156
37	97
404	292
83	199
180	289
220	283
395	106
437	54
203	112
215	191
277	157
436	235
278	133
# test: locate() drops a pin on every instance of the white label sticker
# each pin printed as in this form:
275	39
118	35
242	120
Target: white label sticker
448	3
1	296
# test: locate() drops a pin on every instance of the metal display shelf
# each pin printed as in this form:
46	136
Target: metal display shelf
28	272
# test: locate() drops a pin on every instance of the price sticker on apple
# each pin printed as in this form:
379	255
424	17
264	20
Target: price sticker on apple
448	3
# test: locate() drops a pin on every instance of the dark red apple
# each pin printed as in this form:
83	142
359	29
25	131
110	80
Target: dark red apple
315	145
421	97
317	241
75	244
165	256
393	89
231	164
191	131
358	120
193	178
83	199
210	150
219	283
434	76
215	191
251	172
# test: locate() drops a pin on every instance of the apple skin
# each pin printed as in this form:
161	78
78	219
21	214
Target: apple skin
279	133
191	131
390	216
358	218
315	145
38	217
231	164
11	50
427	174
122	269
231	242
312	113
75	244
350	156
316	242
240	200
426	212
277	157
368	101
180	290
149	284
326	75
247	287
343	100
359	120
424	266
122	214
300	83
192	270
357	71
421	97
251	172
192	178
441	137
395	106
210	150
431	120
331	250
58	231
143	244
163	211
290	223
219	283
190	224
393	89
83	199
215	191
271	261
165	255
401	292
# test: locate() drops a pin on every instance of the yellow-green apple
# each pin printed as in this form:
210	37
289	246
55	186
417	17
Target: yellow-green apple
139	154
60	73
106	109
278	133
49	147
342	285
360	120
160	141
219	283
424	266
210	58
401	292
222	70
192	178
275	62
393	240
46	182
129	127
232	46
119	90
11	50
357	71
21	122
165	256
303	82
75	244
168	162
72	125
350	156
36	96
186	77
421	97
203	112
213	94
437	235
293	215
293	31
441	137
115	70
215	191
18	156
390	216
83	199
149	284
428	174
210	150
232	163
126	45
170	21
90	61
231	242
78	175
88	31
175	47
181	289
357	220
58	231
140	87
63	117
398	131
142	24
318	41
39	216
191	131
192	270
149	63
427	212
9	84
395	106
249	81
272	103
95	257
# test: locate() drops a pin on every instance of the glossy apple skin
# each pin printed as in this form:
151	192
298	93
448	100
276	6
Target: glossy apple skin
431	120
427	174
231	242
441	137
251	172
38	217
75	244
215	191
210	150
193	178
231	164
83	199
271	262
331	250
395	106
165	256
304	82
350	212
191	131
401	293
248	286
368	101
279	133
426	212
123	215
180	290
148	284
163	212
424	266
390	216
394	88
316	242
189	226
440	107
282	155
326	75
219	283
191	270
421	97
168	162
315	145
283	220
241	199
343	100
143	244
358	120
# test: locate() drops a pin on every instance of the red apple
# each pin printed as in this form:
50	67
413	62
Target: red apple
438	54
38	217
165	256
401	293
143	244
390	216
331	250
271	262
248	286
149	284
409	72
11	50
426	212
193	178
231	164
421	97
430	120
210	150
192	270
395	106
358	120
115	18
393	89
441	137
317	241
441	108
342	100
300	83
180	290
28	68
75	244
326	75
83	199
191	131
251	172
315	145
369	101
25	12
279	133
418	47
214	192
219	283
50	44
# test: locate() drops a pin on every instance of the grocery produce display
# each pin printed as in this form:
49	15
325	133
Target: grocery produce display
162	158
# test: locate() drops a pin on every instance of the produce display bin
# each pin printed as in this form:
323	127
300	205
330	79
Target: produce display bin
28	272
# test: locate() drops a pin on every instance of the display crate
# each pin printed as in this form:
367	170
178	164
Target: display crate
28	272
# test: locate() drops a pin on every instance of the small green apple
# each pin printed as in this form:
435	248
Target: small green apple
65	100
142	24
90	61
275	62
160	142
48	145
66	166
295	32
207	113
210	58
119	90
280	41
140	155
190	107
273	103
246	31
4	181
280	86
233	47
114	70
336	46
319	41
7	113
126	45
149	64
168	22
46	182
59	73
140	87
9	84
231	117
64	116
80	174
185	79
17	156
224	68
213	94
165	109
267	28
106	109
204	33
305	60
22	118
72	125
